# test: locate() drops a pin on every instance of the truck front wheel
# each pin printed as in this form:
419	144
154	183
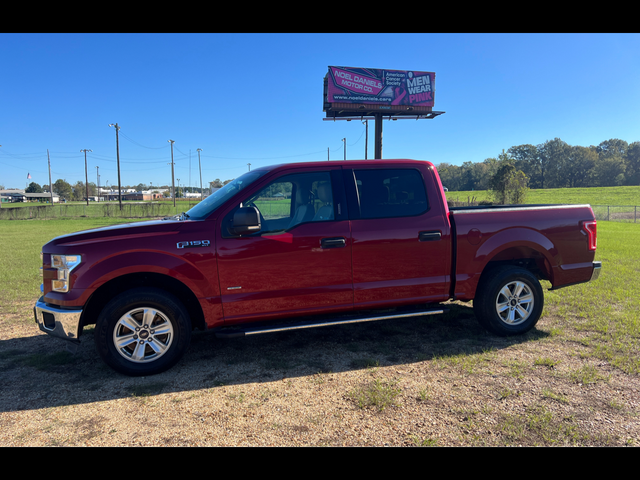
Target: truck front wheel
143	331
508	301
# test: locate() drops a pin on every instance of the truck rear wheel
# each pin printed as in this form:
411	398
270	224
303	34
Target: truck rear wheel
508	301
143	331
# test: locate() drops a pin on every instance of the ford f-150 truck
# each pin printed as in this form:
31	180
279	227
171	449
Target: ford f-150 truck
308	244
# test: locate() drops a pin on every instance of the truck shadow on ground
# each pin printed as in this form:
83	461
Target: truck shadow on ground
38	372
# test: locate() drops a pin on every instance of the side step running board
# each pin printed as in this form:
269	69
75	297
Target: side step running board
235	332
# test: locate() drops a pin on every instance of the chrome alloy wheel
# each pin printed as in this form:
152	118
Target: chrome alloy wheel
514	303
143	335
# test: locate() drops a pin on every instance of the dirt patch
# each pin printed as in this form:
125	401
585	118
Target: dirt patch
424	381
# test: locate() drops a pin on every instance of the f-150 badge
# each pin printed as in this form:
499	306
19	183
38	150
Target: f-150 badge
194	243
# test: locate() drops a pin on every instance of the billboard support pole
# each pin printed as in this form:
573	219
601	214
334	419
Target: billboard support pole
378	135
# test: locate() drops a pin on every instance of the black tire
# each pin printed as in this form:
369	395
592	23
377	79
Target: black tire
509	301
134	347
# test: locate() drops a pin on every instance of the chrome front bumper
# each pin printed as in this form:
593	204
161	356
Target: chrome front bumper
58	322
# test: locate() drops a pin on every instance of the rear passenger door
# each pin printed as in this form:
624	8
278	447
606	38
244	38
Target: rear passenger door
401	243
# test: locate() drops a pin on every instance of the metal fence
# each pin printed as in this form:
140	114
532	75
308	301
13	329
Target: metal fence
611	213
129	210
616	213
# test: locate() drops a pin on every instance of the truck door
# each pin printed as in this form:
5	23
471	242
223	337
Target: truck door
300	260
401	238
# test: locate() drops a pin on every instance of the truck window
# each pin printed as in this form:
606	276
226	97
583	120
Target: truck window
293	199
212	202
391	193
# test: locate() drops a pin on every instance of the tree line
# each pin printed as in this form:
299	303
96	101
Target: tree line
553	164
64	189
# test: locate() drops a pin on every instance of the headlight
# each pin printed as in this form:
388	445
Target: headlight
64	264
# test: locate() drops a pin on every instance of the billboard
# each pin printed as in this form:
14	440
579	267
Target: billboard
370	89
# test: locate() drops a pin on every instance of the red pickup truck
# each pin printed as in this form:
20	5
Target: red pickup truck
309	244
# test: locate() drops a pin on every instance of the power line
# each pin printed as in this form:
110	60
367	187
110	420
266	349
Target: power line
149	162
109	159
143	146
265	158
185	155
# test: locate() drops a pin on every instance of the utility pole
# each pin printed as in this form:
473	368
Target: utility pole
366	137
344	140
173	183
178	185
86	175
50	184
118	156
249	165
200	168
98	180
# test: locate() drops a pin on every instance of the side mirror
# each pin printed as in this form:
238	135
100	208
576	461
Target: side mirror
246	220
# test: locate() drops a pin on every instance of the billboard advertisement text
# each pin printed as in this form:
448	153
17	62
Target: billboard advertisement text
380	87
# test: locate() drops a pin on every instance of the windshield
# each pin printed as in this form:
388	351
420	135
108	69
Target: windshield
217	198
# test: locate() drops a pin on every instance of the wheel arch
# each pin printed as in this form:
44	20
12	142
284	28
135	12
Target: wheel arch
120	284
525	257
517	246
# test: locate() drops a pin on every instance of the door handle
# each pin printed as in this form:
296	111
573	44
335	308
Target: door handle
429	236
336	242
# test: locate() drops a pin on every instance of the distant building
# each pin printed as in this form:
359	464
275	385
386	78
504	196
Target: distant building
42	197
192	194
145	196
15	195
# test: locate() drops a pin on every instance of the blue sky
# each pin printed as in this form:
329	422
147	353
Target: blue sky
257	98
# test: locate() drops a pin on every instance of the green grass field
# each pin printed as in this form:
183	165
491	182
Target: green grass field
609	308
592	196
32	210
180	203
278	208
550	387
20	258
